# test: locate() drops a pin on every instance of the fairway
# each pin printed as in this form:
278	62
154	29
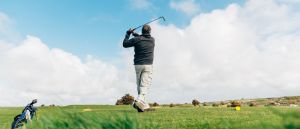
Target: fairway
180	117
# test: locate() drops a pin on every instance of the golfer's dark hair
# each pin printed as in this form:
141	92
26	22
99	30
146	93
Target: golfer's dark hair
146	29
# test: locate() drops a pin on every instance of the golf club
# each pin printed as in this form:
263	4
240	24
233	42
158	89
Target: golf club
161	17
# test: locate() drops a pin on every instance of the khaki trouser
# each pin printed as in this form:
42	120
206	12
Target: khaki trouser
143	79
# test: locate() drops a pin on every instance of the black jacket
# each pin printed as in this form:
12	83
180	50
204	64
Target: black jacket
143	48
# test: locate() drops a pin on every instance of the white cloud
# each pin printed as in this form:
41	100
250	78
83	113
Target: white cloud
290	1
189	7
32	70
237	52
141	4
7	30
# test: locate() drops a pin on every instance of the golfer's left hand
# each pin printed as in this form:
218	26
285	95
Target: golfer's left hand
129	31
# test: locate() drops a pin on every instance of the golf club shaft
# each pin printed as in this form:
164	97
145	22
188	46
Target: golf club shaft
149	22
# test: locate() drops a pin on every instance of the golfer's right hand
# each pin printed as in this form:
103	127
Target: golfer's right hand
129	31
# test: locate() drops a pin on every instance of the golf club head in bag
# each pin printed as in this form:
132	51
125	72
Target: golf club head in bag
34	101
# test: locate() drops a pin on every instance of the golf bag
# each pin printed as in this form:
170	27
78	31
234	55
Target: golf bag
28	111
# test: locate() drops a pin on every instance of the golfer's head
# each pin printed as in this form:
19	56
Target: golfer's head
146	29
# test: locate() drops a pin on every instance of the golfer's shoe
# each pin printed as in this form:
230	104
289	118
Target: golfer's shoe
142	105
137	108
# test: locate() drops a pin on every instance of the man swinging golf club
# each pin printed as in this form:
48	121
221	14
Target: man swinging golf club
143	60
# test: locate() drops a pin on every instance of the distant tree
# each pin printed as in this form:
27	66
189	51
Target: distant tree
127	99
195	102
43	105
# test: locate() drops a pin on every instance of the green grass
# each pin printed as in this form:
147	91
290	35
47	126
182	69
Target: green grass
184	117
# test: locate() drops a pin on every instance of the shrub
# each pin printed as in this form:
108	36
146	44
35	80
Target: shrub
119	102
253	104
235	104
223	103
127	99
292	102
195	102
205	104
172	105
154	104
272	103
215	104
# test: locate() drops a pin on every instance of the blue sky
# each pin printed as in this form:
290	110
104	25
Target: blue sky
92	27
250	47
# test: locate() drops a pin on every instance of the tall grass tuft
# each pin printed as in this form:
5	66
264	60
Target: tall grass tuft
174	118
291	120
120	123
78	120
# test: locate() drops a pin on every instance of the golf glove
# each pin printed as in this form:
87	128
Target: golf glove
128	32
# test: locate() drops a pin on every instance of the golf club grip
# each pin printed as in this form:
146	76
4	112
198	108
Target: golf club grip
137	28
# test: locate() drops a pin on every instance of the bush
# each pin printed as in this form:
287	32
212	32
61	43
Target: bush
235	104
205	104
127	99
195	102
223	103
172	105
215	104
272	103
119	102
154	104
292	102
253	104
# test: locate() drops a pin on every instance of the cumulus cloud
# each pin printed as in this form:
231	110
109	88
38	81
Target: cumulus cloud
32	70
290	1
189	7
237	52
141	4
